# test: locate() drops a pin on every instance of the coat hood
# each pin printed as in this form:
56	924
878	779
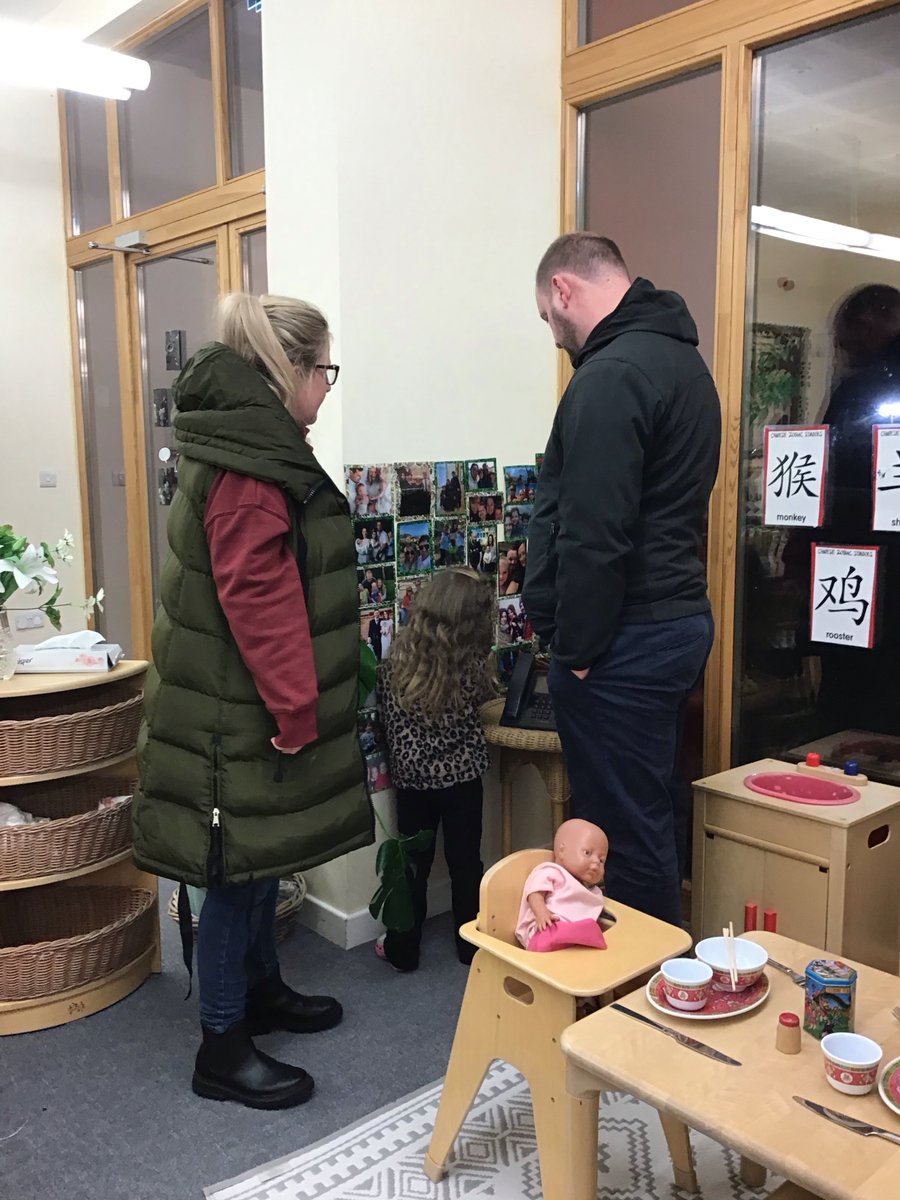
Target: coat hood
229	417
643	309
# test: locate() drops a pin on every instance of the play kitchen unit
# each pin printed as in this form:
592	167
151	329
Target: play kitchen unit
809	852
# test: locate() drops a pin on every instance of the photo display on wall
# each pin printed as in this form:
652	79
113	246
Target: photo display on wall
413	519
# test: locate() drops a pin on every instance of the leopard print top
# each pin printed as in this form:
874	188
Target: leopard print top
430	754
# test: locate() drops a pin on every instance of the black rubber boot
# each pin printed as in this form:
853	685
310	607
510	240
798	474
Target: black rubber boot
229	1067
273	1005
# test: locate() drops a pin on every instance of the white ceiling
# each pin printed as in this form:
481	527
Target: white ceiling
831	125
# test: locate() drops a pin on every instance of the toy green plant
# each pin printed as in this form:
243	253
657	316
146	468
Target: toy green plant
393	900
28	568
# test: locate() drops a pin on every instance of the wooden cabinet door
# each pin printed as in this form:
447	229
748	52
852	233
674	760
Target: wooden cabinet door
798	892
734	875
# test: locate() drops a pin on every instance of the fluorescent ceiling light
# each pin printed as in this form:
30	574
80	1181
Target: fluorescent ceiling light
32	56
809	231
890	408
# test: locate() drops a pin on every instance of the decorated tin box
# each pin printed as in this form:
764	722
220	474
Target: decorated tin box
830	995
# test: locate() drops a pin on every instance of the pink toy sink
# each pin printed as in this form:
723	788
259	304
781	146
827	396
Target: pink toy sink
801	789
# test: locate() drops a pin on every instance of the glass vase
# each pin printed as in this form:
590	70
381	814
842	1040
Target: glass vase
7	647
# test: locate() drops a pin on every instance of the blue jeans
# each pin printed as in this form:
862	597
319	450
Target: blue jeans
235	949
621	731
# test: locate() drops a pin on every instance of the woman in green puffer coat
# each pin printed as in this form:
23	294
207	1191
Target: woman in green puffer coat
249	763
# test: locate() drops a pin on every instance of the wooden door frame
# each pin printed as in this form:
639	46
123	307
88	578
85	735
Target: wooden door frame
723	33
218	215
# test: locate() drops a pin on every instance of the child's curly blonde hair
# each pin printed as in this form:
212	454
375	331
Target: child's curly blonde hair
442	653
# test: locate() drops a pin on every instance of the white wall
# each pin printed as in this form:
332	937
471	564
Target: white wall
412	180
35	350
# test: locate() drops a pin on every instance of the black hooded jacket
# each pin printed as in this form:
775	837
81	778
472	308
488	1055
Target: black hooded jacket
617	530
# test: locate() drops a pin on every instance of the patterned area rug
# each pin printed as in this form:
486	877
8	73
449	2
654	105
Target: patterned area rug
380	1157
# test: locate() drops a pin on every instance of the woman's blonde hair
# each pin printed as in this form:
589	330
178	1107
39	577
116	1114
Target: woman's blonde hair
278	335
442	653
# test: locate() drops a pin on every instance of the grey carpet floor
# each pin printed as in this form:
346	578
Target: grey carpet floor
106	1104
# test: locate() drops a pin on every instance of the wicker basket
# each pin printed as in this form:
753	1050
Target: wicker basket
291	894
77	835
60	937
69	739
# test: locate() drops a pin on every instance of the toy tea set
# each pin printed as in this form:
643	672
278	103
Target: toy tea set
727	978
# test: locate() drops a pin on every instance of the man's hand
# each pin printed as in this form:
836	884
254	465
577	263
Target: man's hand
581	674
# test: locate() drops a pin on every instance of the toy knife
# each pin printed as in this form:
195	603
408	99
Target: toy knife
851	1123
682	1038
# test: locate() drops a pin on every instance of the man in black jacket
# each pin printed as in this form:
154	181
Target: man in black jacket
616	582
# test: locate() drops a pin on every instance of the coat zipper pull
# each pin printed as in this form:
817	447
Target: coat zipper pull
215	863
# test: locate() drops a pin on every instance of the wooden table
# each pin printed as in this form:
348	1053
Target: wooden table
750	1108
525	747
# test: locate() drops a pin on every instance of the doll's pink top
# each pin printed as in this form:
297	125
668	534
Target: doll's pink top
564	895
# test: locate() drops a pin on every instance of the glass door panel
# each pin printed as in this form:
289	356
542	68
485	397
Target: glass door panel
254	266
103	449
166	133
176	302
601	18
823	323
650	181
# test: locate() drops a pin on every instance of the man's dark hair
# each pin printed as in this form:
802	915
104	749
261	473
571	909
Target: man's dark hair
584	254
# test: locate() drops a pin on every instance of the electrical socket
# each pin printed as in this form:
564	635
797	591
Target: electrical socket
29	620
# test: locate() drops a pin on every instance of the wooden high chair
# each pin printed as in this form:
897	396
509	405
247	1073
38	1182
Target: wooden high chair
516	1005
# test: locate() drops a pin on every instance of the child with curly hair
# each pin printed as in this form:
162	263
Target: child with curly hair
439	673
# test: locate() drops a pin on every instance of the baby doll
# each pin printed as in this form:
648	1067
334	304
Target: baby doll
561	900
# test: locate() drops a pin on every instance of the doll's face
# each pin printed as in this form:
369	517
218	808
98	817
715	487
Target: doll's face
583	851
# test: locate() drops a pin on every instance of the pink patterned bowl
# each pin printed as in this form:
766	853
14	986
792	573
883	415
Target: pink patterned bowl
686	983
851	1062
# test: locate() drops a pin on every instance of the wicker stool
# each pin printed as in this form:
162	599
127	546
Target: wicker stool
519	747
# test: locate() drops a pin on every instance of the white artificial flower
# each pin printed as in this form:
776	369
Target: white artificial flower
99	598
63	546
30	568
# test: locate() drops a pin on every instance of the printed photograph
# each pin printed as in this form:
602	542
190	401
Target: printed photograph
520	484
370	489
506	657
414	548
539	462
483	549
162	408
371	735
449	543
374	541
481	474
167	482
485	509
376	627
415	485
516	519
449	477
406	595
513	623
511	569
378	776
377	586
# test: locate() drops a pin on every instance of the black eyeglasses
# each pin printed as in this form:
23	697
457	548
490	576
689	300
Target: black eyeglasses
332	370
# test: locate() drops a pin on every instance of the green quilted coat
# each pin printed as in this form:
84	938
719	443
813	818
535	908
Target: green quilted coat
216	803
